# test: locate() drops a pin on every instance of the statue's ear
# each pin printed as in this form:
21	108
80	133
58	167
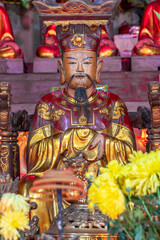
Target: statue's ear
99	68
61	71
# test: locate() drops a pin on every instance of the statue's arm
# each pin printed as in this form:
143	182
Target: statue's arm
43	143
121	142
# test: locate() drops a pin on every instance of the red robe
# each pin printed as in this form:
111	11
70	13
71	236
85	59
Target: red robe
150	25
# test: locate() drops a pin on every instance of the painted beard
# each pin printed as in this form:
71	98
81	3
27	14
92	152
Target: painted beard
82	103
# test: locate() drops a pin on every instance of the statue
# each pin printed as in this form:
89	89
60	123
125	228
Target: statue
50	47
149	36
8	48
78	121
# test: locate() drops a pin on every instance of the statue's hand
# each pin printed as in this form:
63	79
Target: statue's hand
99	141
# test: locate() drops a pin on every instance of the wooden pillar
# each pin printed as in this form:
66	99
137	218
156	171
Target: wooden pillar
9	150
154	131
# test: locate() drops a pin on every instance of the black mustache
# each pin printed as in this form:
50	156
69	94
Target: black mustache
81	74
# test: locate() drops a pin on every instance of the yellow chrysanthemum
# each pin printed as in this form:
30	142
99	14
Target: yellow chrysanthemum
144	173
11	222
107	196
113	168
12	201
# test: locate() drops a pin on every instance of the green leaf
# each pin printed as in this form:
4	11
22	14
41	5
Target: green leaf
22	237
25	4
139	232
122	236
139	215
157	14
150	235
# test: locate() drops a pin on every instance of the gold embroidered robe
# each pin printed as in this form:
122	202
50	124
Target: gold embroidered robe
59	133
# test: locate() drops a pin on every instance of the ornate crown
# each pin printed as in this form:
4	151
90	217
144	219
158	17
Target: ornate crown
77	22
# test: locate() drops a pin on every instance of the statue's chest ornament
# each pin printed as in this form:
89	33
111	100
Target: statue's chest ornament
46	113
78	116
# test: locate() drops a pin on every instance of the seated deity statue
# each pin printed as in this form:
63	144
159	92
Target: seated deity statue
8	47
149	36
50	47
78	121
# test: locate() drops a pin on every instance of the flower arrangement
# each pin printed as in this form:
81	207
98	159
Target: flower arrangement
14	210
130	196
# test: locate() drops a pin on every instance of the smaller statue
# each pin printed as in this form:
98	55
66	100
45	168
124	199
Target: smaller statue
50	47
149	36
8	47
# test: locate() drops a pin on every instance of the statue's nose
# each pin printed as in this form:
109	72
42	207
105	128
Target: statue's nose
80	67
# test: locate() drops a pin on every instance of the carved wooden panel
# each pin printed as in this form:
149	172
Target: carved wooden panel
9	150
154	131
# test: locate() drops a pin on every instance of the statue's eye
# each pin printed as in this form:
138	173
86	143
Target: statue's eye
87	63
72	63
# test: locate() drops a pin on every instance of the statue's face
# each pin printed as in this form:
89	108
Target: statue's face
80	68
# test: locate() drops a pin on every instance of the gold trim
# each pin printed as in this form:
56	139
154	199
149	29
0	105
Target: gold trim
41	128
146	31
72	100
122	126
75	49
48	128
7	35
74	22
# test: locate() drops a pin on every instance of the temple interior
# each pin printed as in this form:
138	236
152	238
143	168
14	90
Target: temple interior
41	43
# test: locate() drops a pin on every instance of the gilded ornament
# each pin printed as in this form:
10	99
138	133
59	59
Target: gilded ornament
74	109
45	113
94	43
78	40
93	28
4	157
63	102
107	112
64	43
55	115
99	101
119	110
65	28
72	7
82	120
103	94
57	95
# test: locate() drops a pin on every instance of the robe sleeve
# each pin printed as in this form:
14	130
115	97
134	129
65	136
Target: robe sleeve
121	141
